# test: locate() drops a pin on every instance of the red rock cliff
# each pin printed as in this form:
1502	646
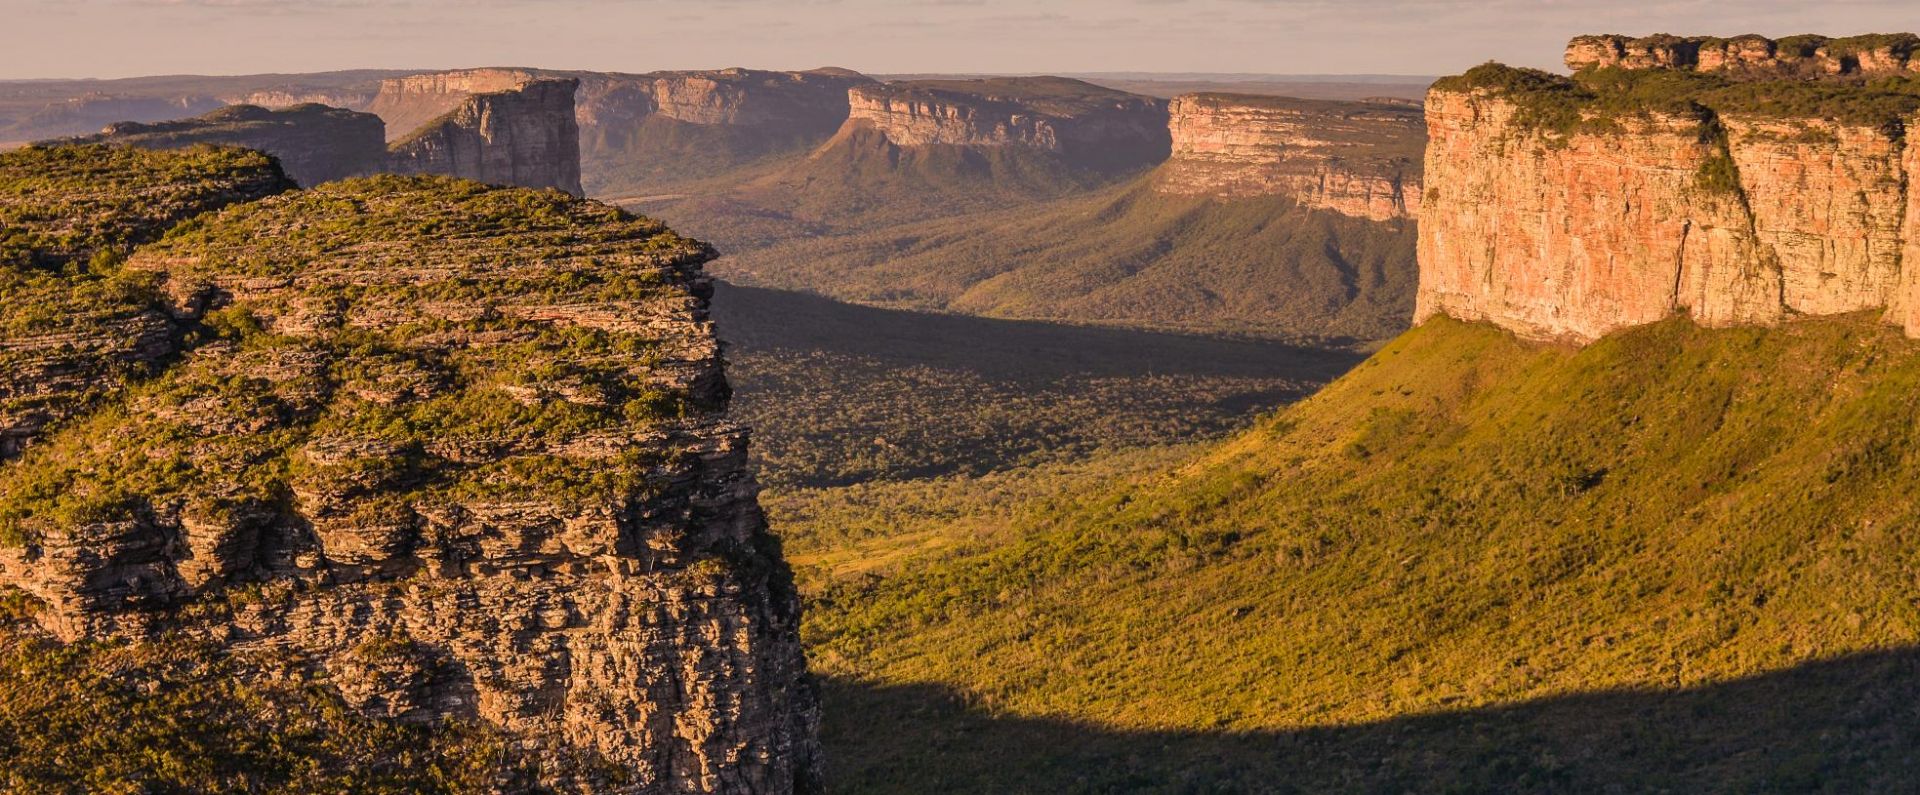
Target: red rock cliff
1559	213
1360	159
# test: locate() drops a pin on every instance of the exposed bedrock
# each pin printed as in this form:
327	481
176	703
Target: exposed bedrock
1359	159
524	136
1079	122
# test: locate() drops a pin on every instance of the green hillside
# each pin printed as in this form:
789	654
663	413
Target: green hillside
1127	256
1679	559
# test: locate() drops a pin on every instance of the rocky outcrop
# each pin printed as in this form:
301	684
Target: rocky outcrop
1558	212
526	136
75	333
408	104
1359	159
1077	121
796	101
313	143
454	453
1750	56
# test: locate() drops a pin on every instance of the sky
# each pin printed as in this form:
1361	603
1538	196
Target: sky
119	38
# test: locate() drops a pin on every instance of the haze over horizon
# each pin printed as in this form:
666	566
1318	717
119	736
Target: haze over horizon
126	38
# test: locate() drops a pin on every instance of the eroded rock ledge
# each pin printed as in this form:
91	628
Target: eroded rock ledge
455	452
1750	56
1359	159
1568	208
1070	118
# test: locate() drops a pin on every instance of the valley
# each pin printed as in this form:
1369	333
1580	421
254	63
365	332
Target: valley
1518	430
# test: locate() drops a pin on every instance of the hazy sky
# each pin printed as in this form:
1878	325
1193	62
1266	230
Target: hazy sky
110	38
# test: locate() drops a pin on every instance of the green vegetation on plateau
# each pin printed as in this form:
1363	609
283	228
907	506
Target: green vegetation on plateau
228	423
1597	100
1678	559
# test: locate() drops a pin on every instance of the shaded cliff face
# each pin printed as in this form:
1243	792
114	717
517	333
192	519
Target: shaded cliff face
1568	209
526	136
313	143
639	132
1080	122
73	328
409	103
1751	56
1359	159
448	452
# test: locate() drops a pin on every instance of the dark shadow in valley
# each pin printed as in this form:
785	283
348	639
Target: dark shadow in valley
840	393
761	320
1844	725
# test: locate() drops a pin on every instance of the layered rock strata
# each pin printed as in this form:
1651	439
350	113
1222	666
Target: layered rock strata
313	143
1077	121
456	453
410	103
526	136
1561	211
1359	159
813	101
76	329
1750	56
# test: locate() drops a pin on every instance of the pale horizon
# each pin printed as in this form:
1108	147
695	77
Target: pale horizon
107	39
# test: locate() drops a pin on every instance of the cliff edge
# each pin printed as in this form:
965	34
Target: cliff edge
442	454
525	136
1566	208
1357	158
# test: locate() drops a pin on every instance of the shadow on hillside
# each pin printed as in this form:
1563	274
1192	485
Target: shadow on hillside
1846	725
763	320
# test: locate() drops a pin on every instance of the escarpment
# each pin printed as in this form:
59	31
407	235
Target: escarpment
526	136
313	143
1751	56
411	102
1568	208
1077	121
443	452
639	132
1360	159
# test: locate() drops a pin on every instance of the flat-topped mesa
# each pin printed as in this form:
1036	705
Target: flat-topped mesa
1361	159
457	455
410	103
525	136
1567	208
1751	55
313	143
794	101
1078	121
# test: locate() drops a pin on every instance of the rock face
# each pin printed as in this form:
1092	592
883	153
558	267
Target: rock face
1077	121
1568	221
313	143
810	101
1360	159
1751	56
410	103
455	452
525	136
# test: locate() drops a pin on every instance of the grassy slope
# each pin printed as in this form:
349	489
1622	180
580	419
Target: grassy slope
1359	592
1128	256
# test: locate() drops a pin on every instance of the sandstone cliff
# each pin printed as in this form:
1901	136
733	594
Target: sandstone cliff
448	452
1360	159
1751	56
1078	121
525	136
1570	208
639	132
313	143
409	103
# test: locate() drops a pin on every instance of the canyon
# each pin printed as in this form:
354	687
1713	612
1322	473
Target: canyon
1568	208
